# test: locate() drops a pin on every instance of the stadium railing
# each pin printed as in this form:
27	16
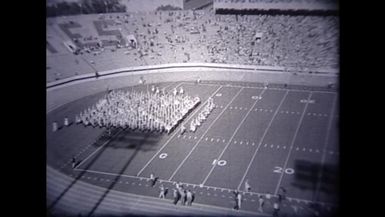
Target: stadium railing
70	89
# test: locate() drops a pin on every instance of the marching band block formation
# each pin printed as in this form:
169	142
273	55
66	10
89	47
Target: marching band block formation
150	111
154	111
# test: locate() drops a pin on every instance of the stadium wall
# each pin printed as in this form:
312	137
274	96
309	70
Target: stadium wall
67	90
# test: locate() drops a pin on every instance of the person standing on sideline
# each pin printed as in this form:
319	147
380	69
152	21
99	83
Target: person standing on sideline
238	198
182	193
261	203
189	197
179	186
247	186
153	179
275	209
162	192
281	194
176	196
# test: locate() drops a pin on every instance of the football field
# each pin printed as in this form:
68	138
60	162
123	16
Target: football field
269	136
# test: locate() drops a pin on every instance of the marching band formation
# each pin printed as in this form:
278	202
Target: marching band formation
153	111
202	115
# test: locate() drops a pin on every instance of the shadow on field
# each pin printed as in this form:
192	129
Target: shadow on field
137	148
316	177
135	140
100	141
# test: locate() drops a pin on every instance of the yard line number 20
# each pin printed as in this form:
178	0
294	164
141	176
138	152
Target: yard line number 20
289	171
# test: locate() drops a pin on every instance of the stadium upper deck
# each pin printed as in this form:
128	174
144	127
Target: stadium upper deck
111	41
277	4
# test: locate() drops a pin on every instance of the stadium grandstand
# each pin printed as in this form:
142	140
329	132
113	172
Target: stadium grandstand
192	107
101	42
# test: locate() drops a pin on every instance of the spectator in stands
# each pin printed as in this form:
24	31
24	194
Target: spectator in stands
290	41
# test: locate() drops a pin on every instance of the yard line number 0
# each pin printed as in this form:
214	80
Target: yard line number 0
163	155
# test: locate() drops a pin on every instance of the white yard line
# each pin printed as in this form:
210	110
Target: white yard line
175	133
292	143
325	146
261	141
203	135
231	138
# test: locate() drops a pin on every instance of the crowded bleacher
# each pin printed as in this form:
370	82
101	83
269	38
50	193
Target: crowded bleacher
89	43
